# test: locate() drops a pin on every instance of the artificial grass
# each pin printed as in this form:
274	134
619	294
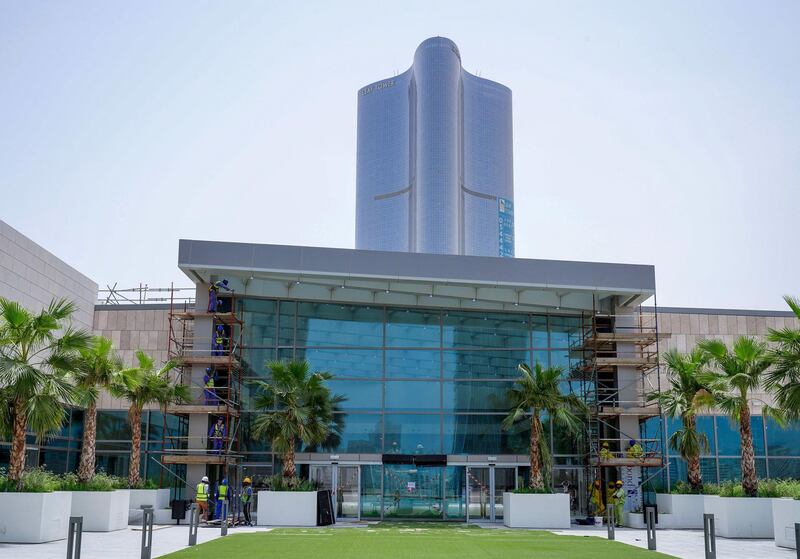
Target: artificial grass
390	540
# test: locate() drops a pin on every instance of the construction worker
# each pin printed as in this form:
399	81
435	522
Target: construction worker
201	498
247	500
610	490
217	434
222	497
619	503
209	392
597	498
213	292
634	450
218	343
605	453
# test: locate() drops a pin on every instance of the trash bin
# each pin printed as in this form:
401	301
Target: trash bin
179	508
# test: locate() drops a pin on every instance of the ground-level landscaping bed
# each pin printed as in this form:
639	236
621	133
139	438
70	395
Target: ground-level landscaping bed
390	540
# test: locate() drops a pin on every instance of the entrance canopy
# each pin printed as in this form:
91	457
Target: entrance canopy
413	279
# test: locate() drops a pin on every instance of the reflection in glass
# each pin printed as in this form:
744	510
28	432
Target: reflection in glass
345	363
405	328
412	363
412	434
412	491
330	324
476	396
476	330
488	364
412	395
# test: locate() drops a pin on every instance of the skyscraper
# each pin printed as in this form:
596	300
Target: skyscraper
435	167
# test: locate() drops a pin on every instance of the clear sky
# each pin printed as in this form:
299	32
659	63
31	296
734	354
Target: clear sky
665	133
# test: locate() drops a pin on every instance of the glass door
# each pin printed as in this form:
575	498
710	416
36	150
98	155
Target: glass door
479	502
570	481
346	496
504	481
412	491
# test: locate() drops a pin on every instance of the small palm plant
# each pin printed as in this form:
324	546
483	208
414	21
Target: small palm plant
99	368
38	355
147	385
686	396
738	373
537	391
784	377
295	406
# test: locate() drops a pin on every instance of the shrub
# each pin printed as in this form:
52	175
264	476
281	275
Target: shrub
768	488
524	490
142	484
34	480
280	483
99	482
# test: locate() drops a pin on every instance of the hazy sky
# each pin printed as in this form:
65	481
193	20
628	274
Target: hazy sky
665	133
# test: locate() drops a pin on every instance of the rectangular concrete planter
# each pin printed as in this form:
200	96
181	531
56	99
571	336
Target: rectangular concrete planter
34	517
741	517
785	512
680	511
287	508
156	498
536	510
102	511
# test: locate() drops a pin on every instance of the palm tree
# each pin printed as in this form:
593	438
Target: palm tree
535	392
296	406
738	372
38	354
149	386
784	377
99	368
686	396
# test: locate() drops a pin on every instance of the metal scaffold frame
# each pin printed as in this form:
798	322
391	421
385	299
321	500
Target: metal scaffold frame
599	357
224	401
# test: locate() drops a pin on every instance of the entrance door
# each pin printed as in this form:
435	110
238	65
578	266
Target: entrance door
485	488
343	482
413	491
571	481
479	501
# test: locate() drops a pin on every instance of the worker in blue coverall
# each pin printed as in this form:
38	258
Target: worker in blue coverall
218	343
222	497
209	391
217	434
213	293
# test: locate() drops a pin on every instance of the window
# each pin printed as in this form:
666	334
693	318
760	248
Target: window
405	328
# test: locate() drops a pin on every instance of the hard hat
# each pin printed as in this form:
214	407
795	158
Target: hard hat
220	418
224	282
224	481
631	442
619	483
205	479
611	484
605	444
246	480
208	369
220	328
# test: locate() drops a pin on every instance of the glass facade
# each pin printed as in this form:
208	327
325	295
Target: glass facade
434	163
415	381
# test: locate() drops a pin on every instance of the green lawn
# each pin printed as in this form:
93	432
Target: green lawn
405	541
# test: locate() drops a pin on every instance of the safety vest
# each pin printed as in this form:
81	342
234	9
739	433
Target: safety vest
202	492
210	382
247	494
223	491
220	339
219	431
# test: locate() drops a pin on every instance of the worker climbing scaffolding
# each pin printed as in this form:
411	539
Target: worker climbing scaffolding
217	434
209	391
213	294
218	343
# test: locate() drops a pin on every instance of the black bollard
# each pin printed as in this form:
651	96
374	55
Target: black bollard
709	536
650	518
223	526
797	538
147	532
610	523
194	522
74	537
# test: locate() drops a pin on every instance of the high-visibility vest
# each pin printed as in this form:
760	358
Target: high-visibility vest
223	491
247	494
220	339
219	430
210	382
202	492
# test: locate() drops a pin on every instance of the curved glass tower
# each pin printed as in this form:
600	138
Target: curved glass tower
435	163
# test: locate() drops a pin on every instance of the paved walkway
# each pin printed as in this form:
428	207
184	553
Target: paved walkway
126	544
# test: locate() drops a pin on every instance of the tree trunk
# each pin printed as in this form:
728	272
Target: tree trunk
17	460
694	475
136	445
536	481
289	470
749	476
86	466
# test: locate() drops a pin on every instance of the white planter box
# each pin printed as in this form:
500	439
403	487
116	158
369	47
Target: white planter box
34	517
536	510
287	508
785	512
156	498
680	511
102	511
741	517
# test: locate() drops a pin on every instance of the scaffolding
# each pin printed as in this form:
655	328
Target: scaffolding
620	404
143	294
193	346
